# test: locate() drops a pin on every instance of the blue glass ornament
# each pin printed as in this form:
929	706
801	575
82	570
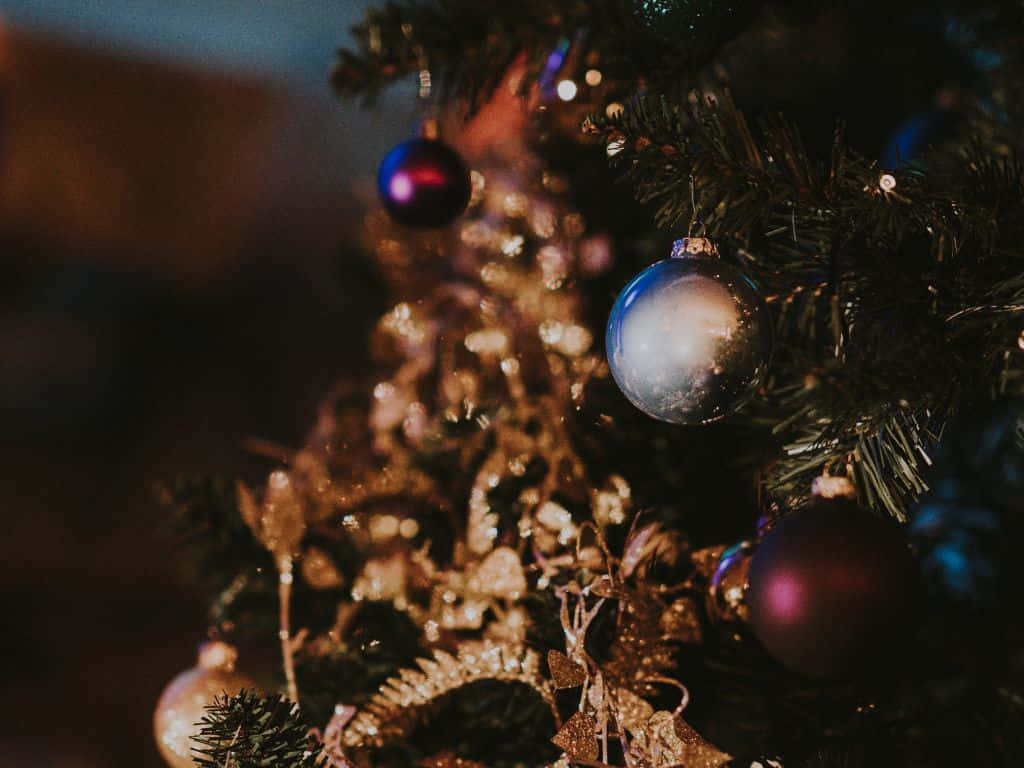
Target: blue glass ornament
910	140
967	526
424	183
688	340
989	451
962	548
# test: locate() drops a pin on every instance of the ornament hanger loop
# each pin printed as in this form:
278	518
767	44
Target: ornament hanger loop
693	208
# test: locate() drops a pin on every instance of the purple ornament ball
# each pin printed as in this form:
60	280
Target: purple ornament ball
829	587
424	183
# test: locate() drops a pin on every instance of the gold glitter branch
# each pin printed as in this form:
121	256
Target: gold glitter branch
389	714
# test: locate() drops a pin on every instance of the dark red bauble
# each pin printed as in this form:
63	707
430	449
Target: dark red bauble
829	586
423	183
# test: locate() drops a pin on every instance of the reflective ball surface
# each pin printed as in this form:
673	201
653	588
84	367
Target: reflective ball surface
688	340
728	588
831	588
989	450
424	183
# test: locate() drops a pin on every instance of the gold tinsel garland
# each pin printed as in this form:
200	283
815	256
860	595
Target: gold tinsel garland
501	348
396	705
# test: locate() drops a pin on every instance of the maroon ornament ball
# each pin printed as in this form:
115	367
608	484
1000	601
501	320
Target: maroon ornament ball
423	183
829	585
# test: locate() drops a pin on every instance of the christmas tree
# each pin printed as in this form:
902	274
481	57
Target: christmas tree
693	438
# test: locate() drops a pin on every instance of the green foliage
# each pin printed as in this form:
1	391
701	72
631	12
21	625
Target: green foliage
502	725
205	518
893	306
383	642
468	46
253	731
232	567
845	261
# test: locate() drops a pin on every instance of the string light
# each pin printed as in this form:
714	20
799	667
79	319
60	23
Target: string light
567	90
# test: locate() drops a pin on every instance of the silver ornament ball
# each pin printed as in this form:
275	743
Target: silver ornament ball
689	339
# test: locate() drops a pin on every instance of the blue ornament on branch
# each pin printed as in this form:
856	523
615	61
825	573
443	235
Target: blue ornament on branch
989	452
688	340
967	527
963	552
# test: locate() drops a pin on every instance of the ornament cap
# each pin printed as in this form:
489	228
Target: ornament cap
833	487
216	654
430	129
694	247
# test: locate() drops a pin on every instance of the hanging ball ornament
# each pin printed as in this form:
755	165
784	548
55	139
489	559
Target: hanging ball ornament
965	529
988	451
688	340
424	183
829	585
967	557
726	596
183	703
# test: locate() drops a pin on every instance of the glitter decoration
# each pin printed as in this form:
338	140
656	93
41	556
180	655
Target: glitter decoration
319	571
278	523
565	673
457	344
381	720
500	575
578	738
669	741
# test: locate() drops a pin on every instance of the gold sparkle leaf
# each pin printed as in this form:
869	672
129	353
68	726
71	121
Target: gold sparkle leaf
577	738
565	673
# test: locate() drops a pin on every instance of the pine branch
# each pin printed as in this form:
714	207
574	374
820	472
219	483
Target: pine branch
204	517
383	642
896	294
468	45
253	731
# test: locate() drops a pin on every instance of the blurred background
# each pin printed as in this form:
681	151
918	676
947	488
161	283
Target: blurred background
176	194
